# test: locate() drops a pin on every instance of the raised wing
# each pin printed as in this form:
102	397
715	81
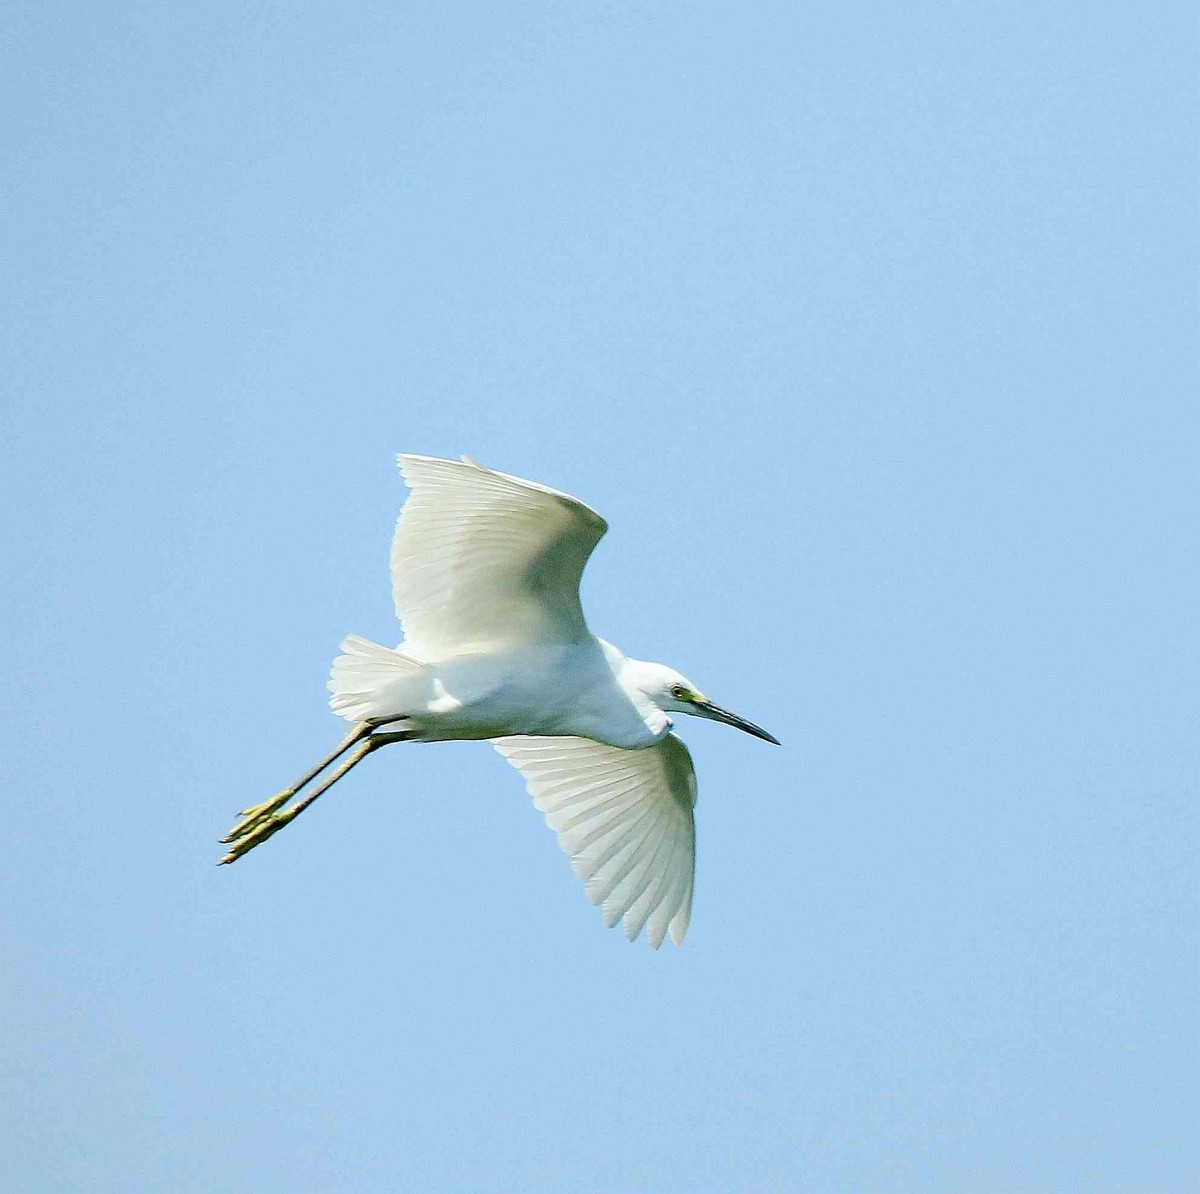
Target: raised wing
625	818
485	561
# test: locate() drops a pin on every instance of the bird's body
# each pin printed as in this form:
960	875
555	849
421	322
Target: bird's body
486	570
586	690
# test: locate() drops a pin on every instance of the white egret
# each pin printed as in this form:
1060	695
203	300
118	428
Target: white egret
485	573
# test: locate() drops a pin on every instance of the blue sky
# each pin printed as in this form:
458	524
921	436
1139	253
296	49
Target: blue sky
872	332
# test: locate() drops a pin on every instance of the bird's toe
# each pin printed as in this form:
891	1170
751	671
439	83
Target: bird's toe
245	839
254	816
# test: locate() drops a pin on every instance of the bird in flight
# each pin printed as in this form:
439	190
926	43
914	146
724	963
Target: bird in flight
485	574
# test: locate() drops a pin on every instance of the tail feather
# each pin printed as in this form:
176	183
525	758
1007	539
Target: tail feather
373	681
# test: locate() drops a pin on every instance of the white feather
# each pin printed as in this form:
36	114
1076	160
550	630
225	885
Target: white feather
625	818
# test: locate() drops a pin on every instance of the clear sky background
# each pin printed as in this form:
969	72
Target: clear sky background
872	331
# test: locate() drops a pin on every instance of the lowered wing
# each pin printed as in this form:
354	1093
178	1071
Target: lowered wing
625	818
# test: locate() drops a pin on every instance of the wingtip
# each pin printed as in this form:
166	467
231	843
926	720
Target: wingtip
405	459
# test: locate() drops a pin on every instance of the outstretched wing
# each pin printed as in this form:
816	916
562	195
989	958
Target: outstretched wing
485	561
625	818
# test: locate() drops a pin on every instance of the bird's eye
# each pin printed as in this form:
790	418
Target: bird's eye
679	692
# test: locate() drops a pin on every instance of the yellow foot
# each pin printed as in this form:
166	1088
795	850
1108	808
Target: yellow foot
257	824
259	812
256	829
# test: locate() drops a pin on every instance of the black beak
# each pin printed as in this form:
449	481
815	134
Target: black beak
708	709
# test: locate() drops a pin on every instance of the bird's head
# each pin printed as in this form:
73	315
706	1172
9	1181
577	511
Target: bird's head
675	693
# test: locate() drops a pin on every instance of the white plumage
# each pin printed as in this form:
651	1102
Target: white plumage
625	818
485	572
481	560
